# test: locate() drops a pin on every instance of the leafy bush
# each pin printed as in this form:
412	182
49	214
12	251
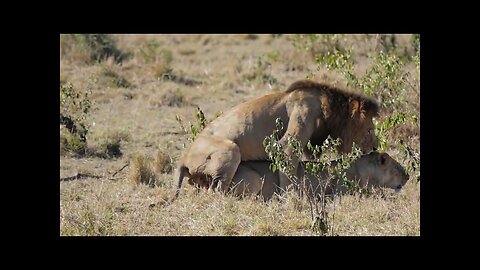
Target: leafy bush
324	157
385	78
317	43
74	112
193	129
90	48
262	72
160	59
109	77
382	128
173	98
110	143
72	143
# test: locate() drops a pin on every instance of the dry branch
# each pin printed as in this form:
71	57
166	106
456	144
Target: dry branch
78	176
119	170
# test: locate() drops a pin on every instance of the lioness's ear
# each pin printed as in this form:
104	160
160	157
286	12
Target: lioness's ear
381	158
354	107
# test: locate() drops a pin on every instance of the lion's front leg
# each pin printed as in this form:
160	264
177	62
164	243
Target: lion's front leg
300	127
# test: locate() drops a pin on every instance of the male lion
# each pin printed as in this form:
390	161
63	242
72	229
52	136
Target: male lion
311	111
371	170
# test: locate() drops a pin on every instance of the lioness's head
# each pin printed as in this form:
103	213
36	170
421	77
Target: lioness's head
360	128
379	169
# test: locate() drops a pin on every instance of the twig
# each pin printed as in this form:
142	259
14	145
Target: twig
411	85
78	176
124	166
86	175
171	132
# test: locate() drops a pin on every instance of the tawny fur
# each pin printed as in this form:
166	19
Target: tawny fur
309	111
371	170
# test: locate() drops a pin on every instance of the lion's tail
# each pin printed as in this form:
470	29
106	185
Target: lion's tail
180	173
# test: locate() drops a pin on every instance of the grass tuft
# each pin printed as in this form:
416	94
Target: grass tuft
141	171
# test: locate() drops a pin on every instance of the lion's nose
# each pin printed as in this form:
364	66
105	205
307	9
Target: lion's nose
399	186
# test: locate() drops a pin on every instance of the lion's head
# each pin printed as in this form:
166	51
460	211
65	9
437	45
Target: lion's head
360	128
347	115
380	169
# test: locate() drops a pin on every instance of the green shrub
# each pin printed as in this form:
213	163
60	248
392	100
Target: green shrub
90	48
261	73
101	46
416	46
411	158
386	77
160	59
110	78
110	143
324	157
317	43
74	113
173	98
72	143
151	51
193	129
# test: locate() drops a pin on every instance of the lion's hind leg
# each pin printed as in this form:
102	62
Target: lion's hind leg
246	181
222	166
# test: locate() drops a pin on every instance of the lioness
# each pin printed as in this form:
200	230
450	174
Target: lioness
371	170
311	111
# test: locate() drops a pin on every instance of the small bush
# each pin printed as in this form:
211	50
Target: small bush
160	60
317	43
109	146
193	130
261	73
251	36
162	70
383	128
186	51
273	56
90	48
151	51
386	78
411	157
416	46
326	159
110	78
72	144
387	43
173	98
74	113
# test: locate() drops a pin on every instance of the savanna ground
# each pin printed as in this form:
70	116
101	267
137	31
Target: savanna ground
133	100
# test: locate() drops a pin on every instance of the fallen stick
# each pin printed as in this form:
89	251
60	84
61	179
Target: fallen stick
78	176
124	166
86	175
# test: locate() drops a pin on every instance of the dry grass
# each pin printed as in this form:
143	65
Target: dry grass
135	104
141	171
102	207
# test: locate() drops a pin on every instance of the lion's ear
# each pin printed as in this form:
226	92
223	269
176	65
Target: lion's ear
381	158
371	107
354	107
